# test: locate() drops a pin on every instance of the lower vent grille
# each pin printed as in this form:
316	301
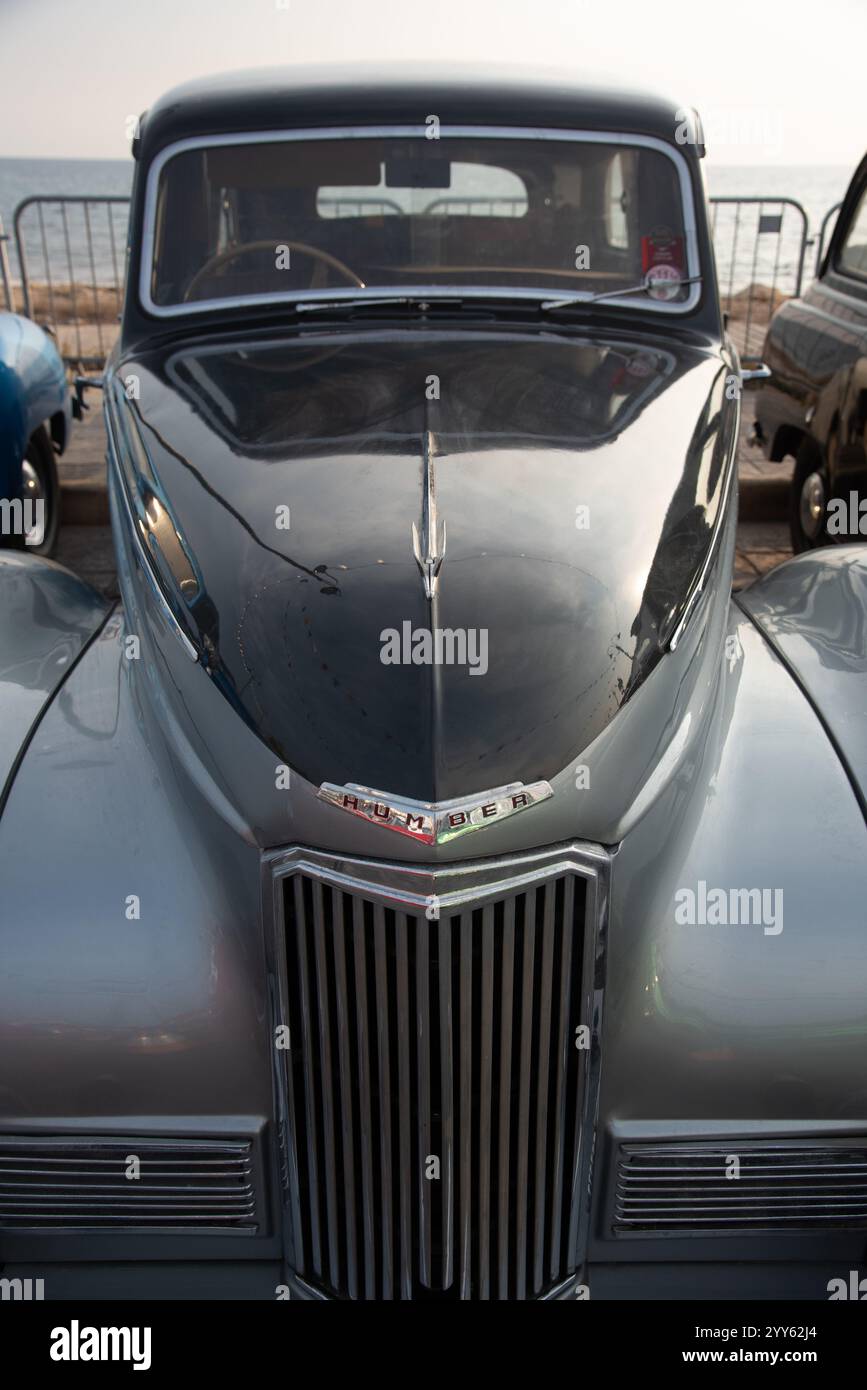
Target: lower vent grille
48	1184
435	1092
672	1188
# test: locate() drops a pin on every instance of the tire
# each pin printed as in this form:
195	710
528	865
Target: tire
41	481
808	499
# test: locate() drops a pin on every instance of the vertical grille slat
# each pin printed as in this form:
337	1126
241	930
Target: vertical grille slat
327	1090
448	1118
575	1120
404	1108
309	1055
522	1194
342	944
542	1082
423	1185
486	1059
447	1039
384	1075
563	1043
365	1097
297	1223
465	1030
504	1166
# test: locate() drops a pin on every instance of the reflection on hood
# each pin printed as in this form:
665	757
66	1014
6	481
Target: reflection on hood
571	485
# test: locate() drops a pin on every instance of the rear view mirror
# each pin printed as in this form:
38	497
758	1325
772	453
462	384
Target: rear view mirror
409	171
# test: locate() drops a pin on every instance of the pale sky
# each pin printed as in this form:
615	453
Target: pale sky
776	81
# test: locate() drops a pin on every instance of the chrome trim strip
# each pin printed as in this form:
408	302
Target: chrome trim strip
411	886
710	558
409	131
140	549
429	548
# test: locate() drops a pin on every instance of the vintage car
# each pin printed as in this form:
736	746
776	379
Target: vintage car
429	882
35	416
814	405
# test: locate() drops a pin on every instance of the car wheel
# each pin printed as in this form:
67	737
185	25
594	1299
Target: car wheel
40	483
808	500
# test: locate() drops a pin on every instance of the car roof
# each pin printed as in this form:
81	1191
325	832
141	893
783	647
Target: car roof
364	94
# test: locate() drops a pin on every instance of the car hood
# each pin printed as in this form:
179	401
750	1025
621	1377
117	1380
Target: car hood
578	482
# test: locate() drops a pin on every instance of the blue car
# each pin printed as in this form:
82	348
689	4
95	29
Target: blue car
35	416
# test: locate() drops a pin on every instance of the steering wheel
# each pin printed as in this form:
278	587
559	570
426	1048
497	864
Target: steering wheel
248	247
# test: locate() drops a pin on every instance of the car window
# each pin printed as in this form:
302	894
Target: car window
852	258
293	217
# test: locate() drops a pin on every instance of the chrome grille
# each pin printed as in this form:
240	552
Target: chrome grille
452	1040
53	1184
684	1188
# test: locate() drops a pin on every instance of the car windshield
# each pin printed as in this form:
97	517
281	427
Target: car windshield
269	218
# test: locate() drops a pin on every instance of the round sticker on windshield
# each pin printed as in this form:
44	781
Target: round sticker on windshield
663	281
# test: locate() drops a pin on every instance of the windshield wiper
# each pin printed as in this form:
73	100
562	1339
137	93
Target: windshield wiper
417	301
483	303
313	306
424	303
643	288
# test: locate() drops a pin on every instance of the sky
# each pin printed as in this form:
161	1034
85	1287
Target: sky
776	81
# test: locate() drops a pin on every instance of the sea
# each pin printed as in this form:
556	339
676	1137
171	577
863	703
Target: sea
742	256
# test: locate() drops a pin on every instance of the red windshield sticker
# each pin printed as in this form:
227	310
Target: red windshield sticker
661	248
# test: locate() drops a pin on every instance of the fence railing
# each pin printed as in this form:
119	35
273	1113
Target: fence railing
5	272
72	251
358	207
71	255
760	246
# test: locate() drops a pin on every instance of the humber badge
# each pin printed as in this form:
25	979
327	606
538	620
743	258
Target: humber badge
435	822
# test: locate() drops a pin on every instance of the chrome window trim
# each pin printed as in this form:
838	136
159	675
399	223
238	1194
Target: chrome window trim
426	291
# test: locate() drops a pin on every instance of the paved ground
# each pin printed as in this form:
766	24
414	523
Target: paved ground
761	546
763	536
88	551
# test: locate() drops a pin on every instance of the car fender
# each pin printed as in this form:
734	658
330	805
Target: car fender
47	618
751	1021
134	980
813	611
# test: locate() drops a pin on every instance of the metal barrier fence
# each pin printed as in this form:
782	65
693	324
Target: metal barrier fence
81	253
760	246
5	272
71	256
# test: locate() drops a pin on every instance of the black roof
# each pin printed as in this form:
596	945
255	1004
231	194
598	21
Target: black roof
459	94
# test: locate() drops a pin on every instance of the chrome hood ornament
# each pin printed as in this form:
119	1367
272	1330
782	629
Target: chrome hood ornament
429	548
435	822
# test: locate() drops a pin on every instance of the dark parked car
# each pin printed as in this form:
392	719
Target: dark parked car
428	882
815	404
34	425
